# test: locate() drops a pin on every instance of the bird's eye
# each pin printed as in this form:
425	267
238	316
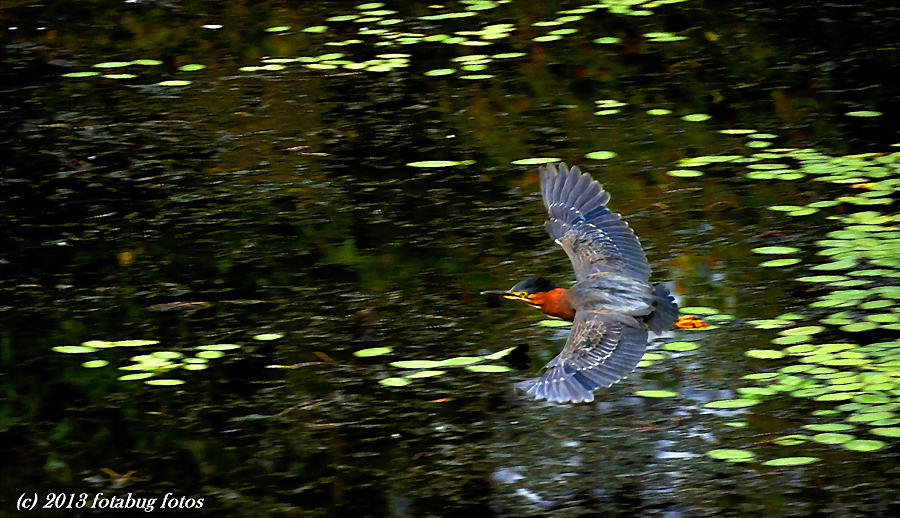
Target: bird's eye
523	294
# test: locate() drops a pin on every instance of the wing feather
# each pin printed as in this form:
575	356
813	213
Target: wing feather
594	238
602	349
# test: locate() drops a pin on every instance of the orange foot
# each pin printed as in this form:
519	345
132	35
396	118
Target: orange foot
690	322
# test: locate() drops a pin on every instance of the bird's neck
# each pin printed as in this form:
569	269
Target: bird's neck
556	303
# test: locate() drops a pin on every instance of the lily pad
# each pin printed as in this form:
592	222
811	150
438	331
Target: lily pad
790	461
864	445
829	427
165	382
416	364
684	173
601	155
173	82
440	163
73	349
832	438
488	368
731	455
113	64
394	382
136	376
804	330
764	354
886	432
699	310
656	393
864	113
779	262
790	440
440	72
460	361
554	323
535	161
373	351
775	250
680	346
268	336
499	354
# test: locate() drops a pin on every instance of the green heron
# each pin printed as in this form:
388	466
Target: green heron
612	304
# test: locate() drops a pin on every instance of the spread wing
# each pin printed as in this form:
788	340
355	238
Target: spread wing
594	238
602	349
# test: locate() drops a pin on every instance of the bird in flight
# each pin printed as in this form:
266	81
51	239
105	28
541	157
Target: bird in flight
612	304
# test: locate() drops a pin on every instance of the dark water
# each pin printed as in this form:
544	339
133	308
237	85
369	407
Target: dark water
279	202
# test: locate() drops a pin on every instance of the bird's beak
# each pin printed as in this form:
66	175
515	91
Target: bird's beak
503	293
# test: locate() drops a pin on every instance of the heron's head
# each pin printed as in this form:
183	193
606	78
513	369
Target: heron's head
526	291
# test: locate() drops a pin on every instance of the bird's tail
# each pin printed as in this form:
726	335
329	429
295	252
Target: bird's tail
665	310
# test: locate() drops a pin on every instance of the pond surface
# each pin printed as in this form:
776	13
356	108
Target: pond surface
223	227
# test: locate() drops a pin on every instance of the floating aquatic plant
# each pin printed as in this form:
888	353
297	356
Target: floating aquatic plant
864	113
374	351
684	173
863	445
73	349
440	163
433	368
268	336
394	382
731	455
791	461
488	368
174	82
151	364
656	393
601	155
113	64
680	346
775	250
779	262
164	382
535	161
663	37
